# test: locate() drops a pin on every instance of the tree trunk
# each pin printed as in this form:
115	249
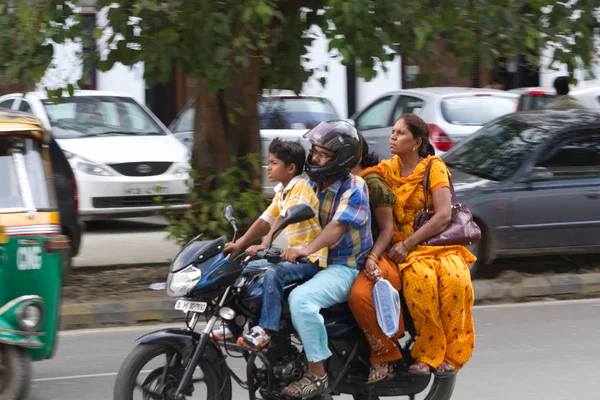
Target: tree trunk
226	126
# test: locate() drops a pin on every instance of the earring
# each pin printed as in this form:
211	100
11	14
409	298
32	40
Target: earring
415	148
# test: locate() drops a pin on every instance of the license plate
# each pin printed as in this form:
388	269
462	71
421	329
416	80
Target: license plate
146	190
190	306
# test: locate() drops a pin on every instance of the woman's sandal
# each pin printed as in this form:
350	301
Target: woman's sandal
445	369
379	372
310	385
419	368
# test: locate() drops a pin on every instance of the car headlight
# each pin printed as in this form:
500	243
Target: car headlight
30	316
180	283
181	170
87	166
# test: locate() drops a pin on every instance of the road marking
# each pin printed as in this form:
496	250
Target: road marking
149	328
541	303
62	378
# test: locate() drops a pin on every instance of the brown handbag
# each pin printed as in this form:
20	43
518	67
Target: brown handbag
462	230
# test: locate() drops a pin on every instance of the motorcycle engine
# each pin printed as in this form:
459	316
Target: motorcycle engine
288	371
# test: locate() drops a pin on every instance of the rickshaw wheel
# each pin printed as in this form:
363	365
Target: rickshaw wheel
15	372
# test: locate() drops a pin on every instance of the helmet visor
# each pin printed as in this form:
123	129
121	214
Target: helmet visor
324	135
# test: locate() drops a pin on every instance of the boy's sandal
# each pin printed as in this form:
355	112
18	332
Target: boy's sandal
379	372
445	369
419	368
310	385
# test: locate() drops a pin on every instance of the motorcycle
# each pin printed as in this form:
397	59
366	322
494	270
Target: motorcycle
213	284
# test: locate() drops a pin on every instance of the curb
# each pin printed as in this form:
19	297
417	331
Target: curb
90	315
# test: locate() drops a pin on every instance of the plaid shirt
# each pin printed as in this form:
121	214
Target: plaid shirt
347	201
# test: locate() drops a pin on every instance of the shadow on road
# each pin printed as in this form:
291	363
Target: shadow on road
127	225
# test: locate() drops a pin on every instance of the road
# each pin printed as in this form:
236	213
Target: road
527	351
128	241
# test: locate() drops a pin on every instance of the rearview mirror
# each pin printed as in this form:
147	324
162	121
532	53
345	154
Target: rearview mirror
228	213
293	215
539	174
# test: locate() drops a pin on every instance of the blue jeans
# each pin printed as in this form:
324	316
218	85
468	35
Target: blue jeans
329	287
275	278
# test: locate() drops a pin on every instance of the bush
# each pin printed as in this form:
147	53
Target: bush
233	186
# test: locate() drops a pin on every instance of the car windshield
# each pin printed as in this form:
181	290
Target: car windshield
275	113
530	102
478	109
87	116
294	112
498	150
22	171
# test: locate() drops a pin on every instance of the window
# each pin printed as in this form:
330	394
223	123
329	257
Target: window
185	121
7	104
497	150
579	158
25	107
81	116
406	105
294	112
20	158
478	109
376	116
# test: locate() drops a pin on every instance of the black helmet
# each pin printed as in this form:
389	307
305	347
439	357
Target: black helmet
339	137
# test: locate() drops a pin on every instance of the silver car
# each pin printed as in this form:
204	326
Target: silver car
452	114
282	114
532	182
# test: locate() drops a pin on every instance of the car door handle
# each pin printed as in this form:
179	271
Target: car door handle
593	195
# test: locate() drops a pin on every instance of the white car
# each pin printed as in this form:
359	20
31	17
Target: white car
453	113
122	155
282	114
537	98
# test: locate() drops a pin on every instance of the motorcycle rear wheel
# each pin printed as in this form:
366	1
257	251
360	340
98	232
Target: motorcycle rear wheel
15	372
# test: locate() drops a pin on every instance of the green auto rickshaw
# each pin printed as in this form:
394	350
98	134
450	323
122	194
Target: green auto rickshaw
31	252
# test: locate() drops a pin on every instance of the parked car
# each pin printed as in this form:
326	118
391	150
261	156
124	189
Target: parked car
282	114
532	182
537	98
122	155
452	114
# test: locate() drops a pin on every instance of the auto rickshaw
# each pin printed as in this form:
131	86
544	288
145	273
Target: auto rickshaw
31	252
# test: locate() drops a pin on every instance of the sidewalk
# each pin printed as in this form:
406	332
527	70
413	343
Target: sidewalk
158	307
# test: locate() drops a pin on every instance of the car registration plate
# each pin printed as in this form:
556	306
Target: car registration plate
190	306
142	190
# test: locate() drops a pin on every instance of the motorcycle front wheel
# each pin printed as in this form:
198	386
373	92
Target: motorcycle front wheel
144	376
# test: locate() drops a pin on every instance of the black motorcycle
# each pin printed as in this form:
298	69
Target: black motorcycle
210	283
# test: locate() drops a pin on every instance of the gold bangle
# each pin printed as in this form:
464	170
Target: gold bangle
406	246
373	254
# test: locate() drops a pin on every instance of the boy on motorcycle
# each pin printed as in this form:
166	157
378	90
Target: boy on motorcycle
286	164
346	217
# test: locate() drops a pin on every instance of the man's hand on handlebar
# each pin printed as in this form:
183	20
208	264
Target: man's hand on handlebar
292	255
252	250
232	248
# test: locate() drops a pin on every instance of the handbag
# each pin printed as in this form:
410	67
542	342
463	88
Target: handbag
386	300
461	230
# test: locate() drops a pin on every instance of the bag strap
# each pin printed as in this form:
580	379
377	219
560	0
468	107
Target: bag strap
426	187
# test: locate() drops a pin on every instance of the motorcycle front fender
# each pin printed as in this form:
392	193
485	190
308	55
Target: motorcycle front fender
184	342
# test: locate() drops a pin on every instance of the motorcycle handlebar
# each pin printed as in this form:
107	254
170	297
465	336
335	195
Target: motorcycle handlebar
275	256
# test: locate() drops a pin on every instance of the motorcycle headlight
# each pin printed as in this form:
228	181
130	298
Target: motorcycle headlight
87	166
180	283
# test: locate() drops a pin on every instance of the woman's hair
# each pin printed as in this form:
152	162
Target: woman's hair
368	159
419	129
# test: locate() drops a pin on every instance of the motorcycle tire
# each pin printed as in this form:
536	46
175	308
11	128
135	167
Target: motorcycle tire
15	372
145	352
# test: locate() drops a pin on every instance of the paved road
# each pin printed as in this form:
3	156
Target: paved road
127	241
545	351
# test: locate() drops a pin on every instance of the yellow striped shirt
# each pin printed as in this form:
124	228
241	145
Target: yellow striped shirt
298	191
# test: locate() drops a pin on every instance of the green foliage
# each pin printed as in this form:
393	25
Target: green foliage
232	186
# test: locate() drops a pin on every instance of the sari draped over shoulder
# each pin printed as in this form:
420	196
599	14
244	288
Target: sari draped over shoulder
410	199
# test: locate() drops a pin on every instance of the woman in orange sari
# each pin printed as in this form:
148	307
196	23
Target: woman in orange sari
435	279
